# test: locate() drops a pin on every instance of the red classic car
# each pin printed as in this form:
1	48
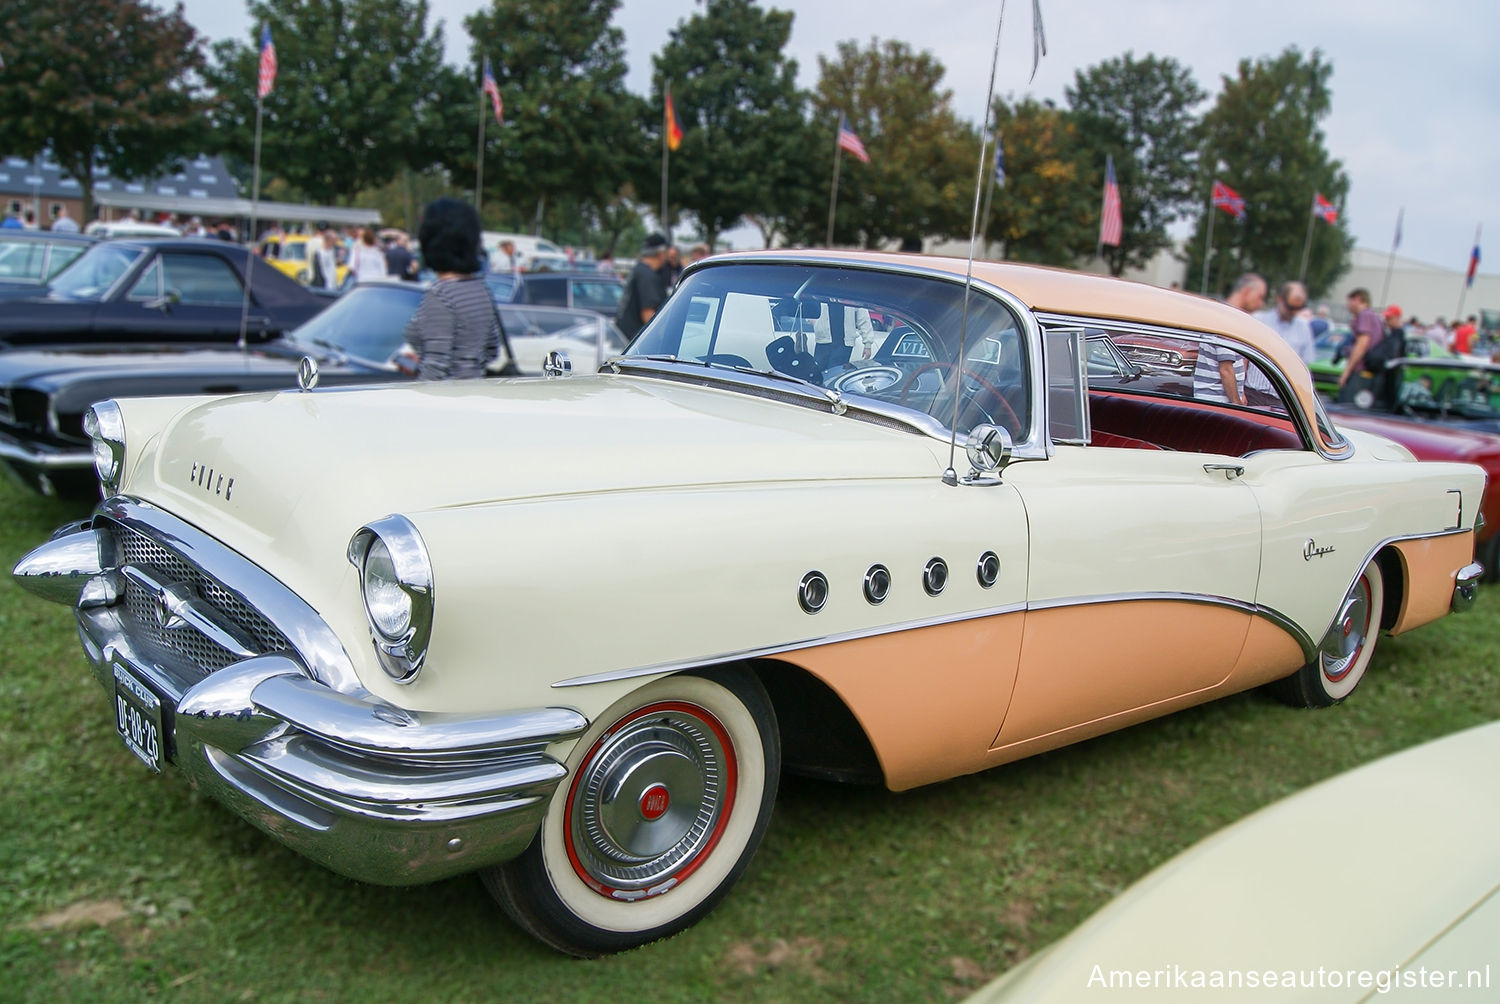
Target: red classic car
1439	442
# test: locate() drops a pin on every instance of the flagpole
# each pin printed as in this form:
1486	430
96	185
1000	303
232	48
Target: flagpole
1391	261
1208	240
479	158
833	197
1312	218
989	191
254	215
1463	291
666	128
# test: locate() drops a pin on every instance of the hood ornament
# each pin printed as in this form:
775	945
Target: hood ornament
307	373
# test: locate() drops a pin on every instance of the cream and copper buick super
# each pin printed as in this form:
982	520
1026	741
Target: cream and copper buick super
856	515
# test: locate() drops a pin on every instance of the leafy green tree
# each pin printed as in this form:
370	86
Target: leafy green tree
355	79
736	98
1140	111
1048	209
920	179
572	133
100	83
1262	138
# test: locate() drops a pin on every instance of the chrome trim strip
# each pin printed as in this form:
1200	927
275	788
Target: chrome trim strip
310	636
678	666
1298	417
1036	446
13	449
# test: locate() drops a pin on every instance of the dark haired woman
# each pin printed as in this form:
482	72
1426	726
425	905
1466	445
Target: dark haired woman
456	331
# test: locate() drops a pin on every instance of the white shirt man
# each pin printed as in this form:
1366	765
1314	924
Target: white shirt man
62	223
1285	318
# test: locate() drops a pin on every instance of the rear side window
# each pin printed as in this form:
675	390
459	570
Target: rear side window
201	279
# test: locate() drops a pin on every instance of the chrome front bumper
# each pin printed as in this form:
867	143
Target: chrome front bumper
1466	586
365	788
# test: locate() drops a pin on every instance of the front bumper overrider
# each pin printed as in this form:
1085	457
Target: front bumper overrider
363	787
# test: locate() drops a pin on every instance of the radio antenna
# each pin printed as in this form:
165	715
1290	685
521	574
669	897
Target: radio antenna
950	476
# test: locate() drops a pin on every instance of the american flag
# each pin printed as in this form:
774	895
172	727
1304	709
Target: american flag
849	141
1229	200
1111	225
493	90
1322	207
267	62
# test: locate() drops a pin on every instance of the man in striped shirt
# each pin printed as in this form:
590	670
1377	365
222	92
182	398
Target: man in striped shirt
1220	373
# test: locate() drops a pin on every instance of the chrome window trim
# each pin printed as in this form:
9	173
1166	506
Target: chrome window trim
1036	446
309	635
1341	450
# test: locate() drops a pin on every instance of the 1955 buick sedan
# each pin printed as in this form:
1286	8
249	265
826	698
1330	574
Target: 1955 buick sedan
837	513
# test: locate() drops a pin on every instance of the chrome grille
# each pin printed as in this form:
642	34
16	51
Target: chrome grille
185	648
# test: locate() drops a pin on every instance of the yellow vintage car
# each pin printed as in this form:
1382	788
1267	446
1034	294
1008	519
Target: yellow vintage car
852	514
294	258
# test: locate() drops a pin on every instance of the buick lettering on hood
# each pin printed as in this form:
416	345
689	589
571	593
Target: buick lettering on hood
860	516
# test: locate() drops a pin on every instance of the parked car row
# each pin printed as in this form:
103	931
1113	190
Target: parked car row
841	513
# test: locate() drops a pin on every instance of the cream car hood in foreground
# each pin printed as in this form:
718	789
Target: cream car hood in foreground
1382	883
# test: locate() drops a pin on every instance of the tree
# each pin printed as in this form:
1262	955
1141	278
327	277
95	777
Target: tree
1048	209
920	179
736	97
100	83
572	133
1140	111
355	79
1262	138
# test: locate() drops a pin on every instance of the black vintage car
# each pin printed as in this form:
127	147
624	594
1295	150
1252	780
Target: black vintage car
157	291
46	390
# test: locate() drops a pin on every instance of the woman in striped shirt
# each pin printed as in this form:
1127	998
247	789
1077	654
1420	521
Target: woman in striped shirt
456	331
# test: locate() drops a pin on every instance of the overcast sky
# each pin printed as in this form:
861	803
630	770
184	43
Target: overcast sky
1416	86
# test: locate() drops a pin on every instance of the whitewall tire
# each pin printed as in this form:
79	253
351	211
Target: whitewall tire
667	797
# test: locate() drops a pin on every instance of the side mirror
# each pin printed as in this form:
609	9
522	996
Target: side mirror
988	448
165	302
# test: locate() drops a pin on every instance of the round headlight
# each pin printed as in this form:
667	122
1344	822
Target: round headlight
395	579
388	603
105	427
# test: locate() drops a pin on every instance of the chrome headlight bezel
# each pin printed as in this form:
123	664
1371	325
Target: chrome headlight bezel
401	653
105	426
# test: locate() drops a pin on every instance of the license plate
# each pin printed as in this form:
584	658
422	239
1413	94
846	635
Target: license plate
138	718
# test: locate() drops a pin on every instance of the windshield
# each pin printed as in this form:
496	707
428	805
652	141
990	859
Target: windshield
96	271
881	336
368	322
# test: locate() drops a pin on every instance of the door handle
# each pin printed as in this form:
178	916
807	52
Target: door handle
1230	471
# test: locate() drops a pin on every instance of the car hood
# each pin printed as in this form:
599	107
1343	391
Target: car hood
1389	865
297	469
50	368
1426	440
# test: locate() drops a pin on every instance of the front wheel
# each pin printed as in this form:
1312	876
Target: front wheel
669	794
1345	653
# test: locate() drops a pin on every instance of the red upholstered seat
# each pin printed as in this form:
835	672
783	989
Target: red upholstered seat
1098	437
1190	426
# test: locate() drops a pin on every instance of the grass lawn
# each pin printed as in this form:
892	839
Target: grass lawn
119	885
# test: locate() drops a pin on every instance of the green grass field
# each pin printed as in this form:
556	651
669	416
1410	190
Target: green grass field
119	885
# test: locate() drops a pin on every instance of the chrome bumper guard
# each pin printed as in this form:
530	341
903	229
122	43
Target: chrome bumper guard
1466	586
365	788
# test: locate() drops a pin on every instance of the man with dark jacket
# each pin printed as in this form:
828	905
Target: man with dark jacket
644	290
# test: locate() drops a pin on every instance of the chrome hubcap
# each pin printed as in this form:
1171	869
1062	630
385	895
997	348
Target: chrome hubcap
1346	638
649	800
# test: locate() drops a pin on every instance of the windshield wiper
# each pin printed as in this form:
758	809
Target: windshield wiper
834	397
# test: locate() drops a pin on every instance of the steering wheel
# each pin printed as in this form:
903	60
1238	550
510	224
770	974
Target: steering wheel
940	364
867	380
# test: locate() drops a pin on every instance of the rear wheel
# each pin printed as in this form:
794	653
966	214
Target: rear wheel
1346	650
668	796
